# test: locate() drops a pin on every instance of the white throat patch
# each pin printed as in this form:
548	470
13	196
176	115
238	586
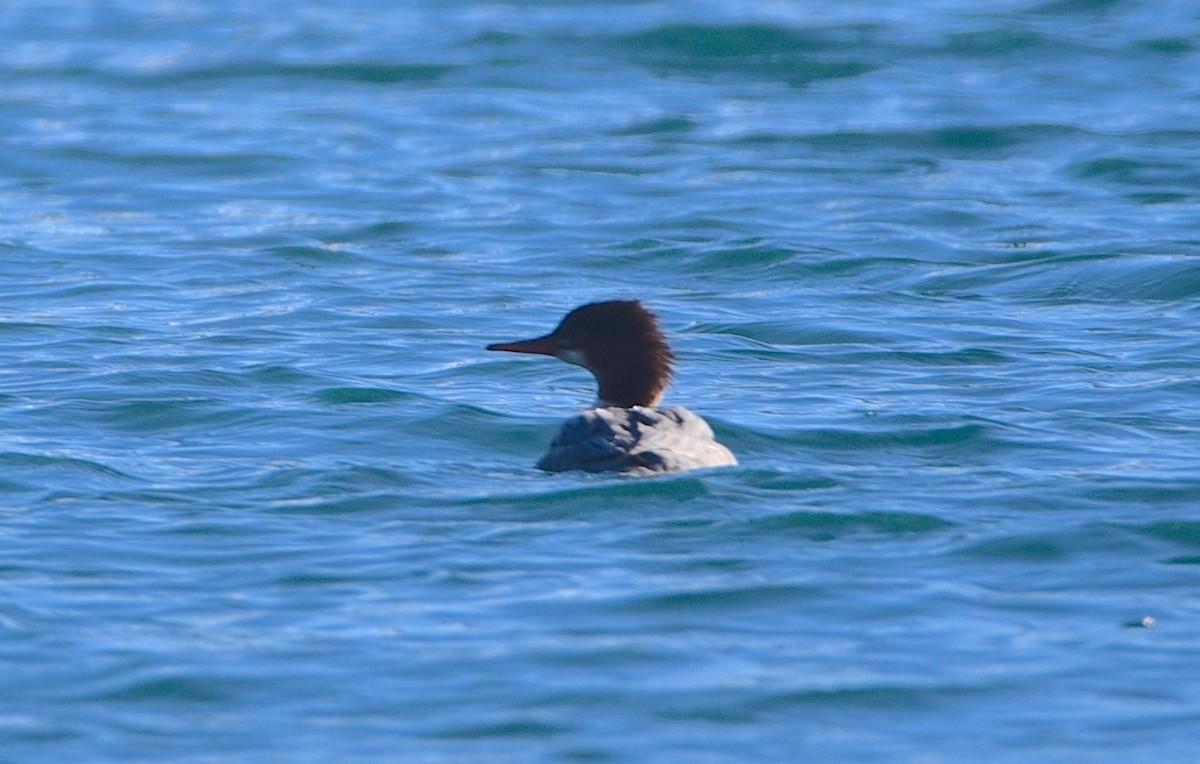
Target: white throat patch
572	356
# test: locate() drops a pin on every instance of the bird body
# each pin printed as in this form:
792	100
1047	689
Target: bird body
639	440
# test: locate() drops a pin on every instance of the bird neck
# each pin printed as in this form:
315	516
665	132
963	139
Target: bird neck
627	391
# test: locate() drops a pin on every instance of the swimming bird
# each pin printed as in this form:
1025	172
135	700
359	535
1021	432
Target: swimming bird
621	344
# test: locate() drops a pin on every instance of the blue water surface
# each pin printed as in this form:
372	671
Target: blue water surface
932	271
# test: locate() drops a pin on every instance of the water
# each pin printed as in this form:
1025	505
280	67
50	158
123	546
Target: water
931	269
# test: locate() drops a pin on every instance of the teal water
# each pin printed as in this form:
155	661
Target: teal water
932	271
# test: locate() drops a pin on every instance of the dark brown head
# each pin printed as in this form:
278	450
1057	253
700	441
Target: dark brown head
619	342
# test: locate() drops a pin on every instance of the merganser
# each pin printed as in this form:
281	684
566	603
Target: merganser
620	343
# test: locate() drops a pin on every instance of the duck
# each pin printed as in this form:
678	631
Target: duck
627	430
